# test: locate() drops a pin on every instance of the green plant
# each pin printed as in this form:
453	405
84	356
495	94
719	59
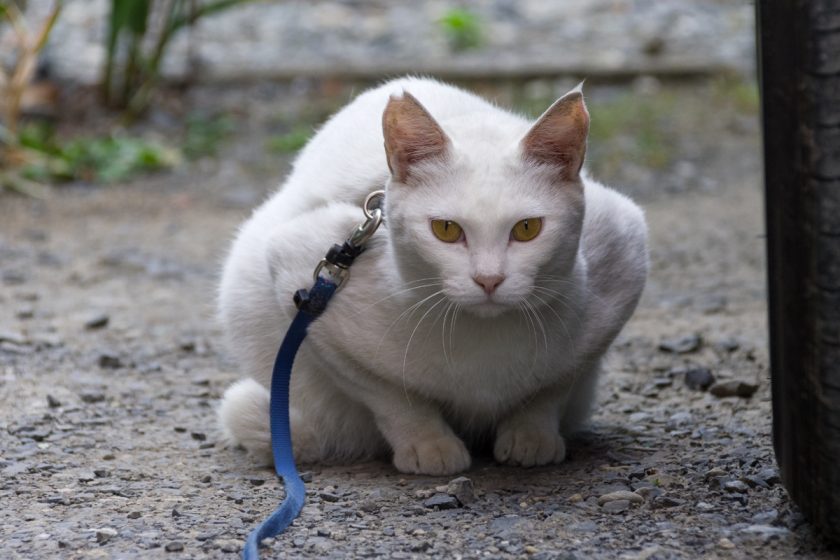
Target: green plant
204	134
291	141
462	29
104	159
13	85
133	61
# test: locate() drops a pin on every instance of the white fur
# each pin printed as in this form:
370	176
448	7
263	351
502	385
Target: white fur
412	357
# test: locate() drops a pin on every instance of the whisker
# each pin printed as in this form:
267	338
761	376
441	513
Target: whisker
410	338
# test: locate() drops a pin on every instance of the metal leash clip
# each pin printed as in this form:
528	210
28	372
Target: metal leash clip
339	258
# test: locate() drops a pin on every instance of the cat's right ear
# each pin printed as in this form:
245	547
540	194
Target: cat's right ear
411	135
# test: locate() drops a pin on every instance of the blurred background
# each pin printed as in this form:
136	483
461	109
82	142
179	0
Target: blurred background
98	91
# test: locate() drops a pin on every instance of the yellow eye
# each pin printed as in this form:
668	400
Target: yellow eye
447	230
526	230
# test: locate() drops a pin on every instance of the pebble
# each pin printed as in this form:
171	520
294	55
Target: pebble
108	360
699	378
13	337
620	495
92	397
733	388
198	436
665	502
736	486
682	345
329	496
441	501
728	345
725	543
649	492
766	533
462	489
174	546
53	402
134	515
616	506
105	534
97	321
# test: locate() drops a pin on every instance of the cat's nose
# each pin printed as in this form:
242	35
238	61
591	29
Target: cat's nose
489	282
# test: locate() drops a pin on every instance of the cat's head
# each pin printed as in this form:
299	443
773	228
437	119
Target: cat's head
489	210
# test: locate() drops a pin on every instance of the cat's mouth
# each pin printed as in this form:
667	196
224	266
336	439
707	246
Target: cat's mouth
488	308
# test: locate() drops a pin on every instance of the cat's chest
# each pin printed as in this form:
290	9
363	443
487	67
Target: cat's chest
451	357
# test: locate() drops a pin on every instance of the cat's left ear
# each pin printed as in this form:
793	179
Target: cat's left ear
411	135
558	139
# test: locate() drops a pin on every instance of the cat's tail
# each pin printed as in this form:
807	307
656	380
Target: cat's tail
244	418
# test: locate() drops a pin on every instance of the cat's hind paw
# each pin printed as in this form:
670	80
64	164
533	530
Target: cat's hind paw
529	445
441	455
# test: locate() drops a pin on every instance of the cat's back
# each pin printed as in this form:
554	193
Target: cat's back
345	160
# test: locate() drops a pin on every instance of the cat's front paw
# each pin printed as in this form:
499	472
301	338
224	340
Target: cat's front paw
529	445
440	455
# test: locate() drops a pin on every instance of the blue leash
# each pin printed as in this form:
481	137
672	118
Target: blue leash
310	305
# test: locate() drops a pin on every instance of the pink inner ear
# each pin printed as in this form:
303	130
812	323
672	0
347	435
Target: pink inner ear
411	135
559	136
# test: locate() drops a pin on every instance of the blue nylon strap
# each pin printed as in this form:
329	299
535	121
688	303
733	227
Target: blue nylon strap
281	437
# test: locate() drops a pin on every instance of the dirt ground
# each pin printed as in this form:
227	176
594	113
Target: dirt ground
111	365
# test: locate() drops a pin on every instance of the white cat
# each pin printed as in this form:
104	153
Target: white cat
482	307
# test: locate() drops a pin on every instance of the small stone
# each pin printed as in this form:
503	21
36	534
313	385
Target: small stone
92	397
575	498
725	543
206	478
531	549
736	487
13	337
134	515
705	506
256	481
174	546
662	382
727	345
630	497
229	546
770	476
679	419
108	360
329	496
306	476
765	517
198	436
715	472
13	277
733	388
616	506
105	534
26	312
53	402
766	533
649	492
97	321
682	345
699	378
463	490
441	501
86	476
326	533
665	502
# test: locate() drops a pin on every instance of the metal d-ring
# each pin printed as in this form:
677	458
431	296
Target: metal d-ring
367	206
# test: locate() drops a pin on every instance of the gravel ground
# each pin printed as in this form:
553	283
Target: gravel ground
110	368
288	38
